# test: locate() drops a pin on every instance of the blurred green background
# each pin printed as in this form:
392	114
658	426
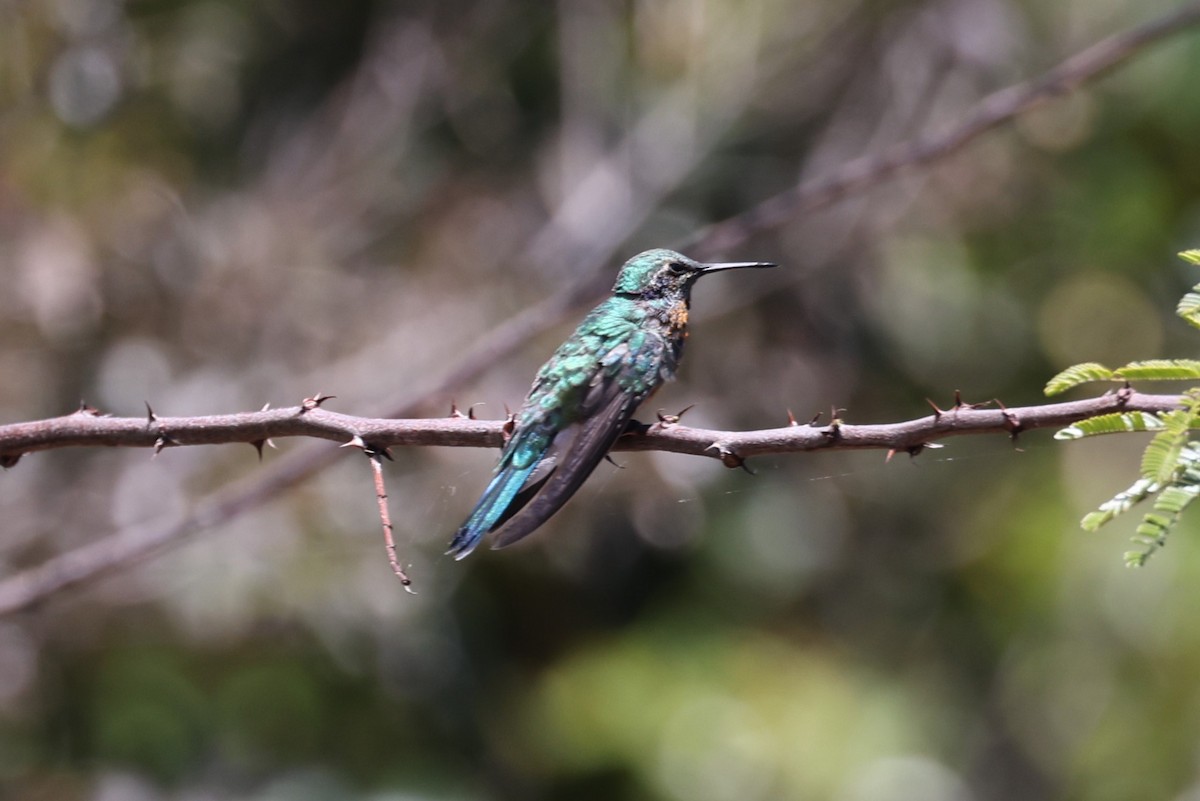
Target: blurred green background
215	205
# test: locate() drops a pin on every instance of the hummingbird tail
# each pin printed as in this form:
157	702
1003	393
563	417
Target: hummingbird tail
491	508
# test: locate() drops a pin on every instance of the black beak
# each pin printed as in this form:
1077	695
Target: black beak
734	265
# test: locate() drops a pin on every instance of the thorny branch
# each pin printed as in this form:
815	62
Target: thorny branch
87	428
130	545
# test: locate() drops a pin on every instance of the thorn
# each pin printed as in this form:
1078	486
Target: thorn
913	450
1011	422
163	441
791	418
936	411
457	414
355	442
665	420
728	457
258	446
308	404
1010	419
959	403
88	410
608	458
510	425
816	418
265	407
150	416
835	415
833	431
1124	394
8	460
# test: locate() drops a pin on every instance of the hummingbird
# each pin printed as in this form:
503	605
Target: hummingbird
584	397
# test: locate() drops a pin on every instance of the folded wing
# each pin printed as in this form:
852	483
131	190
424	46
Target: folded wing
575	453
549	458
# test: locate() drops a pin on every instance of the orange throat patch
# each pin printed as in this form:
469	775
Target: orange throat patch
677	318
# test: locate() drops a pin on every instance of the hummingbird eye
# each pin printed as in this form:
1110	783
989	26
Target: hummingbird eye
677	267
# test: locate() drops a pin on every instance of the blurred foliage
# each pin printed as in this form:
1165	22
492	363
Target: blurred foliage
211	205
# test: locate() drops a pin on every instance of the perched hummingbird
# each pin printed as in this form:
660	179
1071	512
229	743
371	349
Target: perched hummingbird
583	398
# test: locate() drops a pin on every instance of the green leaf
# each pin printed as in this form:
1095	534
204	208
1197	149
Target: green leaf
1173	500
1153	525
1115	423
1169	454
1189	307
1189	304
1159	370
1076	375
1151	535
1119	504
1160	461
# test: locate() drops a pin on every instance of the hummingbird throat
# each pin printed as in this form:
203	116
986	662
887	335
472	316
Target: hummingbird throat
677	318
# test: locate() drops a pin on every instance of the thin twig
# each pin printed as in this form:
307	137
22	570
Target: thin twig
376	456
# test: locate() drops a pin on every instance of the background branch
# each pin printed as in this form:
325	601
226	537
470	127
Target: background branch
994	110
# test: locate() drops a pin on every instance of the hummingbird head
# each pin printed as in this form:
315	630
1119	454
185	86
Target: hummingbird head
664	273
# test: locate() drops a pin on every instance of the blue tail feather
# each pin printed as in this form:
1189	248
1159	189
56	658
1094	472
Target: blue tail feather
495	500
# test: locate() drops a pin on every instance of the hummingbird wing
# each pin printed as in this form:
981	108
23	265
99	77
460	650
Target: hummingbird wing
541	469
578	407
572	456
